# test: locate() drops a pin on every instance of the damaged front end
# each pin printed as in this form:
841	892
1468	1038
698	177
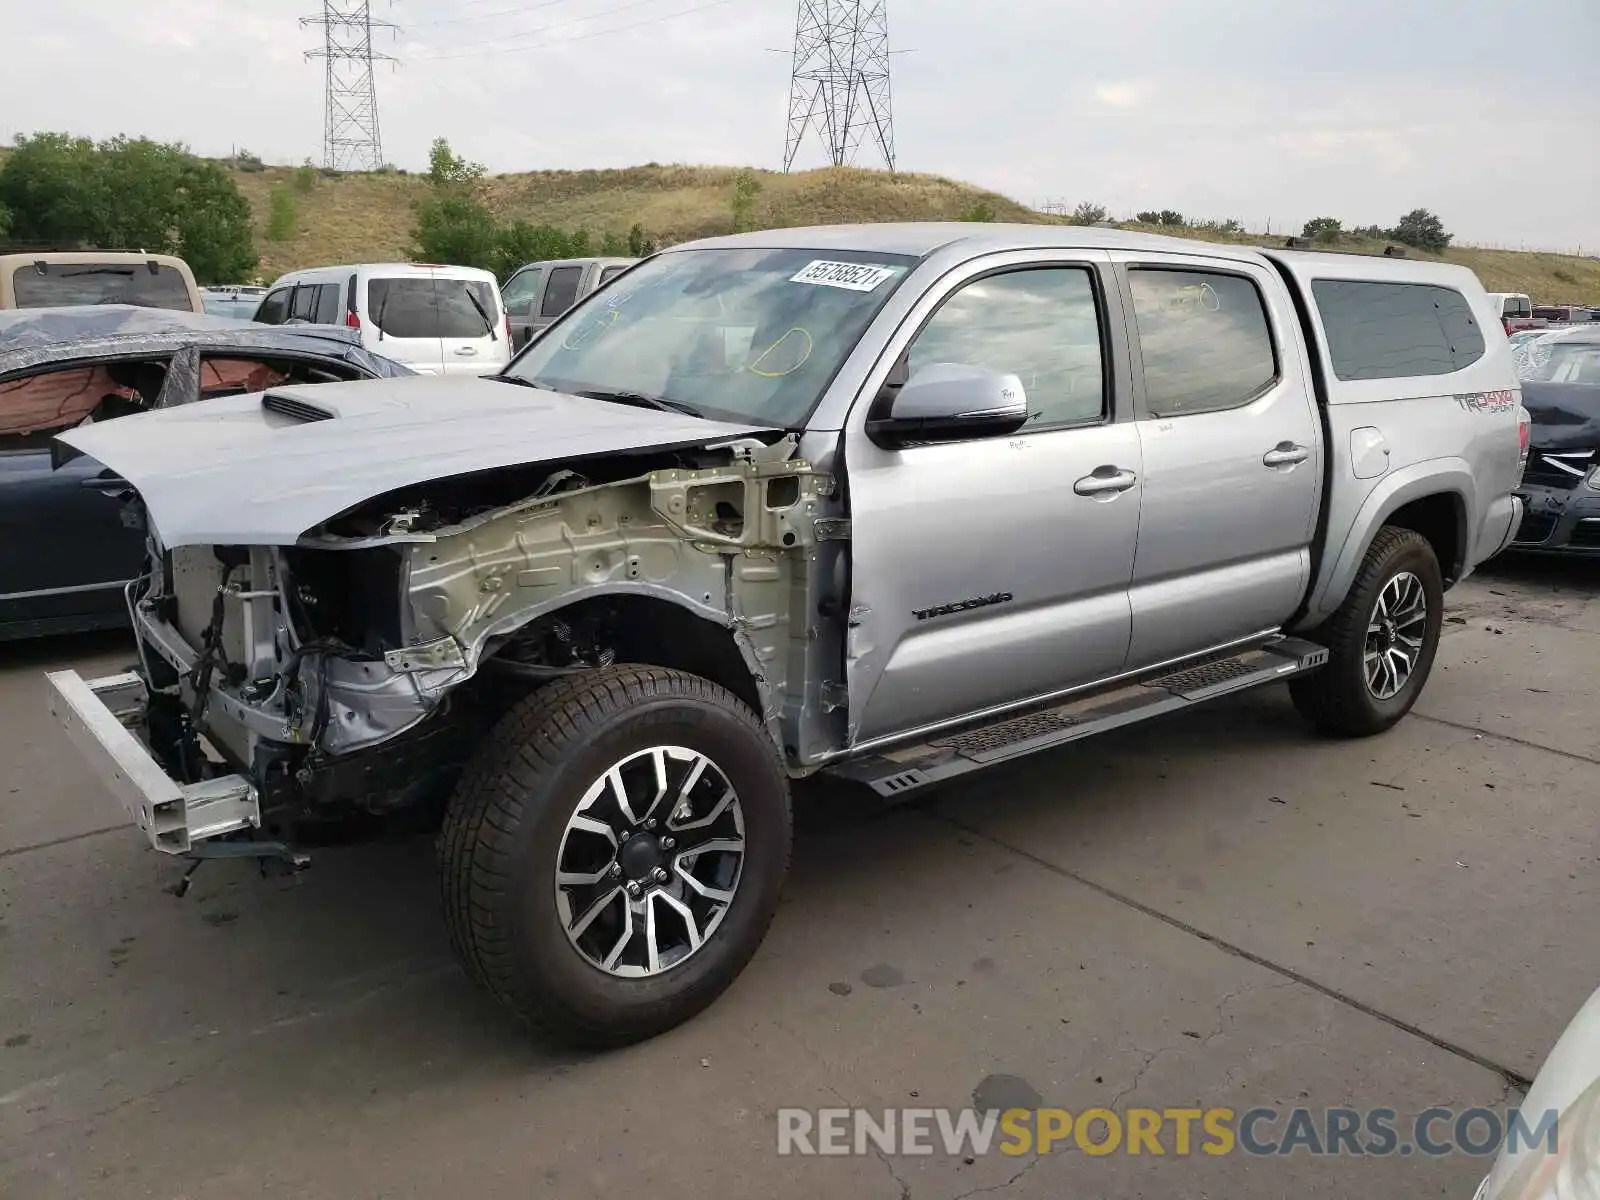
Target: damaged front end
355	671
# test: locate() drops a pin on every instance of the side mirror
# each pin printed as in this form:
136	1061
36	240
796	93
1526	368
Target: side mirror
949	402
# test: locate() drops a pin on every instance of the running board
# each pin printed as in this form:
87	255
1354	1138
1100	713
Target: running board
904	768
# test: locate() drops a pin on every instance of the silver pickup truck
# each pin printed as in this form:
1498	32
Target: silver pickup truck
894	502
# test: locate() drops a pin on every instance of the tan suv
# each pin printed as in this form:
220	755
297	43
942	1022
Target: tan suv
57	278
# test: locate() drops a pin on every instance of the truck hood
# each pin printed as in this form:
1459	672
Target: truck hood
262	469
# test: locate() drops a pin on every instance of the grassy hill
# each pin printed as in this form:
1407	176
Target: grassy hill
356	218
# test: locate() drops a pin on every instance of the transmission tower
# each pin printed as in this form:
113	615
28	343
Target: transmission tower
840	81
350	137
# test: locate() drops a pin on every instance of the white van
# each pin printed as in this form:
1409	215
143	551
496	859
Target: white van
435	319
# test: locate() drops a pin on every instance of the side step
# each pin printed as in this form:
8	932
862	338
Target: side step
904	768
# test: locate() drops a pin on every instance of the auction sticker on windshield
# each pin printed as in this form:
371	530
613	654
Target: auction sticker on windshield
857	277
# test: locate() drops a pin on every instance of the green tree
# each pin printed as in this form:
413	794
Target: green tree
746	187
5	220
128	193
1087	214
283	216
1326	230
448	169
453	226
52	185
1420	228
521	242
1164	216
213	227
978	210
456	230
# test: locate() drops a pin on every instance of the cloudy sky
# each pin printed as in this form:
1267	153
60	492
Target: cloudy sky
1481	110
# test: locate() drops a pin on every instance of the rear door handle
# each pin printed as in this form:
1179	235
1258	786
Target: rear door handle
1105	481
1285	454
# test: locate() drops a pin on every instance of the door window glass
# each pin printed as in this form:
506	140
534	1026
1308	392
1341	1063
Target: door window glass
520	291
562	291
1203	338
274	309
303	307
1040	324
35	409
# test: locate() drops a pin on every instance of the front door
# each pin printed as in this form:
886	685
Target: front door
1231	444
992	571
66	548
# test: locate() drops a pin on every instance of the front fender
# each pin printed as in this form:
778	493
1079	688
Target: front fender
1394	491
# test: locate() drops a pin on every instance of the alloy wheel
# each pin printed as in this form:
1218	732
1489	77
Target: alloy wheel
650	861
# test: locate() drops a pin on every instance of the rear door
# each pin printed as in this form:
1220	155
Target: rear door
471	326
404	314
1231	445
560	293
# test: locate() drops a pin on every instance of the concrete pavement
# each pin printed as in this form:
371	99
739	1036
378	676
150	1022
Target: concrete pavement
1214	910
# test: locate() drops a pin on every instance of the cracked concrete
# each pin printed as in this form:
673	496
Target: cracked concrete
1215	911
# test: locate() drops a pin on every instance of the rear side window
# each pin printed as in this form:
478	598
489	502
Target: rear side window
611	273
561	293
429	308
1203	338
327	311
304	305
274	309
1396	330
57	284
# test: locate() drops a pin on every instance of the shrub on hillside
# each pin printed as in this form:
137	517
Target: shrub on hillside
1420	228
283	216
1326	230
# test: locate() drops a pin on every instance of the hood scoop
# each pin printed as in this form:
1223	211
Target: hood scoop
299	410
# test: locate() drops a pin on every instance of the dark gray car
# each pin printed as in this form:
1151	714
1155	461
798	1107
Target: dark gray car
65	548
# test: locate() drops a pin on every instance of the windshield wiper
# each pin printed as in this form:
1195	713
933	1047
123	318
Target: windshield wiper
521	381
640	400
488	321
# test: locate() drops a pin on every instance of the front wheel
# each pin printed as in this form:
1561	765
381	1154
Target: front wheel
1381	642
613	857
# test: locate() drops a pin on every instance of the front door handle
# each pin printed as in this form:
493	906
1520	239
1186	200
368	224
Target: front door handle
1105	481
466	350
1285	454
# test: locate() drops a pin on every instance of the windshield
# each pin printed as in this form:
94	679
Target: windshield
738	334
1557	358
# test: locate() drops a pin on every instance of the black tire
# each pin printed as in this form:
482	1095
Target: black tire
1337	699
503	832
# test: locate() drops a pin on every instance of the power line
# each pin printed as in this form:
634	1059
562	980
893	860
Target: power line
502	48
839	81
518	11
523	33
351	139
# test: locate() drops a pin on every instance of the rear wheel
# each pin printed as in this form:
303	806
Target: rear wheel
1381	642
613	857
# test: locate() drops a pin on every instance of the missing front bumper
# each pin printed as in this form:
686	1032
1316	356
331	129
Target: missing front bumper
100	716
